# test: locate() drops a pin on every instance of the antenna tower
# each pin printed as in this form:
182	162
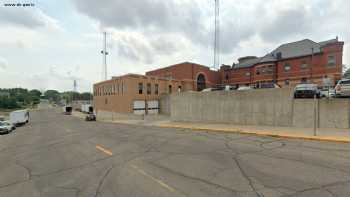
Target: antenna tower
217	35
104	53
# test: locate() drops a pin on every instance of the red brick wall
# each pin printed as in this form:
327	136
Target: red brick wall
317	66
317	69
188	71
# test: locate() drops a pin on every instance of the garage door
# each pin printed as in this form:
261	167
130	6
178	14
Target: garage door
139	107
153	107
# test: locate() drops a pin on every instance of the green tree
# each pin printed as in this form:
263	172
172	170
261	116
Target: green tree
35	93
86	96
52	95
347	74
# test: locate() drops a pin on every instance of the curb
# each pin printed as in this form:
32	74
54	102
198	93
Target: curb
261	133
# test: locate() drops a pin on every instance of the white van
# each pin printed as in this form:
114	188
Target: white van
19	117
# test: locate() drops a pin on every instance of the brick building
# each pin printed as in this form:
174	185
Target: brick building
199	76
120	94
303	61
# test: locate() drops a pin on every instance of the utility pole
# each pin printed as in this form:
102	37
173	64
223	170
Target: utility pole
75	86
104	53
217	35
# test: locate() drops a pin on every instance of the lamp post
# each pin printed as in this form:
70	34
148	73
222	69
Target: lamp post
311	66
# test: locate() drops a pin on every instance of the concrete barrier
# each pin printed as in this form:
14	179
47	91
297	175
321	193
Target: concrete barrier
112	116
268	107
164	104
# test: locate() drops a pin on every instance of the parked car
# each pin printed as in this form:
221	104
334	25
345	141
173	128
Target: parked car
269	85
342	89
67	110
242	88
90	117
9	124
306	91
19	117
328	92
213	89
6	127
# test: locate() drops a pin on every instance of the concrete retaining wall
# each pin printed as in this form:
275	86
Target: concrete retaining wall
270	107
111	116
164	104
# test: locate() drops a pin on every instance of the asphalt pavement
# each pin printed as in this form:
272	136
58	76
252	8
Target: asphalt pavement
63	156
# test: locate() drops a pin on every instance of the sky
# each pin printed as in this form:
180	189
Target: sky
53	43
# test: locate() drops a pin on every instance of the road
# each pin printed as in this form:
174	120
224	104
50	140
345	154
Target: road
63	156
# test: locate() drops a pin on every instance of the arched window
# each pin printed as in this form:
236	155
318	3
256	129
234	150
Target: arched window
201	84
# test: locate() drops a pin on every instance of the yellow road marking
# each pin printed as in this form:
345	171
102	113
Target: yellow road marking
104	150
161	183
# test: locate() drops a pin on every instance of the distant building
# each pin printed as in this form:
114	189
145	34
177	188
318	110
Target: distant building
303	61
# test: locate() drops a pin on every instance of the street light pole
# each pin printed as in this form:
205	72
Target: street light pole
311	66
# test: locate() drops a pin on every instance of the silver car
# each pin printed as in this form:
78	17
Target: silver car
6	127
343	88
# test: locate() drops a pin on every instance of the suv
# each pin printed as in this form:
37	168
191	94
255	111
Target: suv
306	91
342	88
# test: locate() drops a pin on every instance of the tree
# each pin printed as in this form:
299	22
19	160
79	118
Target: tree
86	96
8	103
52	95
35	93
346	75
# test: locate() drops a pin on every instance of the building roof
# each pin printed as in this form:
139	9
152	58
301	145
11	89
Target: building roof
297	49
179	64
289	50
248	63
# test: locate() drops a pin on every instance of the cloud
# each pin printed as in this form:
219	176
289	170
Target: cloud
291	22
3	63
151	17
53	78
28	17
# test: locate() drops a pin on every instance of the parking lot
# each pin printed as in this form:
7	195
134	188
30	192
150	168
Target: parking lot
57	155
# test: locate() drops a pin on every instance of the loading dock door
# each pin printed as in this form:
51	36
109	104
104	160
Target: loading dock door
139	107
153	107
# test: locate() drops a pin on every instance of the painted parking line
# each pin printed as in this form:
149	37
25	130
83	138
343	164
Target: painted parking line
161	183
108	152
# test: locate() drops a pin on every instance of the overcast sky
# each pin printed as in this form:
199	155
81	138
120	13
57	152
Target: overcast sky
51	44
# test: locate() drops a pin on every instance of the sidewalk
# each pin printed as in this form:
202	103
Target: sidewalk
323	134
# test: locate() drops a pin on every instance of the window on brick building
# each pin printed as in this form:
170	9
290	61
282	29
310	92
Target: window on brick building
156	89
258	71
119	88
331	60
140	88
287	67
304	80
149	89
122	88
304	65
269	70
247	74
286	82
170	89
226	77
